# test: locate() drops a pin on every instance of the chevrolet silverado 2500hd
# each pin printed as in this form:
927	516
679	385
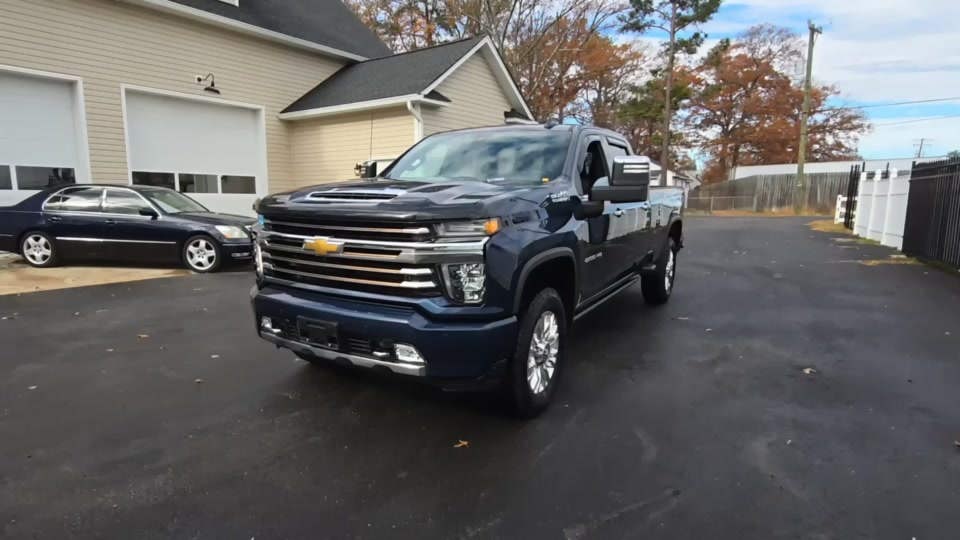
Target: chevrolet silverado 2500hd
467	260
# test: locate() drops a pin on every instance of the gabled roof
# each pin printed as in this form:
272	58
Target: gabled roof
391	80
326	26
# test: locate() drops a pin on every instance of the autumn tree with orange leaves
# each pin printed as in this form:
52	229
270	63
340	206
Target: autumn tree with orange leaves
745	106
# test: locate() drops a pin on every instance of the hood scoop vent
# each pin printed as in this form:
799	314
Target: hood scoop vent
360	196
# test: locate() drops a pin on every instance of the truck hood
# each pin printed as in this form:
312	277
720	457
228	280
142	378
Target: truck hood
382	199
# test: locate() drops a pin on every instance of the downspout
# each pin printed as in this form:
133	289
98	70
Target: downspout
417	121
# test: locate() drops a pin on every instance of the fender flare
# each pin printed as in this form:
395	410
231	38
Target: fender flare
538	260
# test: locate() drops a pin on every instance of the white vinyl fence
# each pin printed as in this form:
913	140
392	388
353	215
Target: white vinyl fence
881	209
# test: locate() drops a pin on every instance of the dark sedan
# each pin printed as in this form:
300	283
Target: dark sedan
122	223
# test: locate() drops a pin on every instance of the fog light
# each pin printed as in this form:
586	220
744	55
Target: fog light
266	325
407	354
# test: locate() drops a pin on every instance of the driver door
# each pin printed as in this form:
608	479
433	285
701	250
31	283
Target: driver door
130	236
602	249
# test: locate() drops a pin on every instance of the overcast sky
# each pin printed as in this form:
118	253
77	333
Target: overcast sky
876	52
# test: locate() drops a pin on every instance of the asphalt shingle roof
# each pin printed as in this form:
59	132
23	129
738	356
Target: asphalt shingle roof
327	22
391	76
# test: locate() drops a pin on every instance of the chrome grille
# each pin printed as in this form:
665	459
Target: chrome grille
370	257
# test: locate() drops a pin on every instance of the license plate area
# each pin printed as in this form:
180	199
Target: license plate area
319	333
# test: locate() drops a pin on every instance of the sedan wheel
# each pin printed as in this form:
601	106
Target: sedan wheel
38	250
202	254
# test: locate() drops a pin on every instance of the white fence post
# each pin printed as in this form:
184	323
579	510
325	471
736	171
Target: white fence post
878	208
864	202
895	221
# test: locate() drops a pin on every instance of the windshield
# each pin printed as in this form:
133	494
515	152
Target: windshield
516	156
172	202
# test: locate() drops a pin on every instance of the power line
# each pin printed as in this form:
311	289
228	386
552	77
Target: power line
915	120
895	104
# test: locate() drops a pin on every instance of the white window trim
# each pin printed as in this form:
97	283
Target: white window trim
82	169
261	181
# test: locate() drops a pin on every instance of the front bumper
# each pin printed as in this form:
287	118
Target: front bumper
452	350
237	251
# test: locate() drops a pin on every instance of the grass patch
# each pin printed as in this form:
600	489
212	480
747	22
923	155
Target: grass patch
828	226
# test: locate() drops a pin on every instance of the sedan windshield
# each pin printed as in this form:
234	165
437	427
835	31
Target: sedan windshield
515	156
172	202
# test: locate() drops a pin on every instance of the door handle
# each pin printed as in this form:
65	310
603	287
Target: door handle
618	212
111	222
55	219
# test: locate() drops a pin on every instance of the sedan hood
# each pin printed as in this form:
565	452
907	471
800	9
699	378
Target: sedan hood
213	218
405	200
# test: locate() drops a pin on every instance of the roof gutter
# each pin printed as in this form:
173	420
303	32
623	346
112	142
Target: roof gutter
242	27
383	103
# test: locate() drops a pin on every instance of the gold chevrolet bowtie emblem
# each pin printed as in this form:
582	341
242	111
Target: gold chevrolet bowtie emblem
322	246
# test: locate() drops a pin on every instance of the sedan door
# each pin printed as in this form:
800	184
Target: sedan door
73	217
134	231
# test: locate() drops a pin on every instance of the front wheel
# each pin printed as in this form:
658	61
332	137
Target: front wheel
658	285
39	249
202	254
538	359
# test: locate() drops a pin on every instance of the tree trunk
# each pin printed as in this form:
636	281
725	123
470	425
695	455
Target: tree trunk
667	112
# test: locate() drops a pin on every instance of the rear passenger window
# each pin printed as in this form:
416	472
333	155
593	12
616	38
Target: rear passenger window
84	199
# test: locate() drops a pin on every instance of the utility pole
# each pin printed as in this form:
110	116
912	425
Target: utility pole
800	193
920	149
668	89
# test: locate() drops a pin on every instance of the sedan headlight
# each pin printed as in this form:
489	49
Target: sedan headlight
466	282
232	233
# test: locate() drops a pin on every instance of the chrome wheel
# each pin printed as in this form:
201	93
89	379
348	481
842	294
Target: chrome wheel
669	270
201	254
37	249
542	358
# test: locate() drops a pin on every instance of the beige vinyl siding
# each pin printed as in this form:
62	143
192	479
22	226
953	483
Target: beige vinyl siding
477	99
109	43
326	149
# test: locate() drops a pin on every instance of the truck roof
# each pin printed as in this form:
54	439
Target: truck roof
573	128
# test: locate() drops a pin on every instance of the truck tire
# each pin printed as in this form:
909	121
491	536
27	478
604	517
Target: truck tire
658	284
539	356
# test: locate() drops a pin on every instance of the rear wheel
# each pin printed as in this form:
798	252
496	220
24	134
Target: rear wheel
658	285
538	359
38	249
202	254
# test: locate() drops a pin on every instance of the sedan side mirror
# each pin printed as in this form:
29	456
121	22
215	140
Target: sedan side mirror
630	181
148	212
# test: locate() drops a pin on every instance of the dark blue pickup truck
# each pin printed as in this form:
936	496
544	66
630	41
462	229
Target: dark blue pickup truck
467	260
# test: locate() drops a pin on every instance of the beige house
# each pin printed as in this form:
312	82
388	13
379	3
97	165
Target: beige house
226	100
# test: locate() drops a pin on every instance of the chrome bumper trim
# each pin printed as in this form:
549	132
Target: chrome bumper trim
360	361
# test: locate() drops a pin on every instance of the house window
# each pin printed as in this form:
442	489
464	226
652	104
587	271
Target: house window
6	181
44	177
159	179
238	184
197	183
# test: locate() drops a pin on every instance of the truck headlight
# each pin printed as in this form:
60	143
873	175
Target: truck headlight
466	282
468	229
232	233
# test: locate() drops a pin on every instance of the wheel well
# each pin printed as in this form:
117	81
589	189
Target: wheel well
676	232
558	273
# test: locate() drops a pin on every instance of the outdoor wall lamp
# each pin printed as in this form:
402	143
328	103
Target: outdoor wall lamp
212	87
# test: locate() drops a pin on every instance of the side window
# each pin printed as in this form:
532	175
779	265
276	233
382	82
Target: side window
614	150
82	199
121	201
594	166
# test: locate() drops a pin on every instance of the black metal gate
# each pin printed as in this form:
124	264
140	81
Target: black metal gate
851	203
932	228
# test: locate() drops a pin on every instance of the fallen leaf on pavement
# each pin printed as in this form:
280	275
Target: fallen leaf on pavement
198	381
109	350
681	318
462	444
214	356
956	443
809	371
34	387
143	336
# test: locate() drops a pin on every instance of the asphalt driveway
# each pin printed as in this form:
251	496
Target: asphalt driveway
786	391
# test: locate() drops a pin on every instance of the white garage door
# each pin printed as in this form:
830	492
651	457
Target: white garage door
215	153
40	135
